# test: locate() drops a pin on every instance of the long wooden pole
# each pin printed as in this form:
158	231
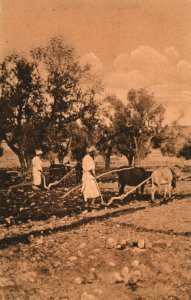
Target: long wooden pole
57	181
126	194
102	201
114	171
72	190
99	176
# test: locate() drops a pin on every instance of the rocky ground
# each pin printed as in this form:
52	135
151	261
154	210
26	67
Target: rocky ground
52	248
139	254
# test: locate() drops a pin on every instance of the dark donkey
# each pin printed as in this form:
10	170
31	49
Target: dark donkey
132	177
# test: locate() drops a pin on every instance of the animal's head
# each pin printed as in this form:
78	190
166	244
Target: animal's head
149	173
176	171
174	182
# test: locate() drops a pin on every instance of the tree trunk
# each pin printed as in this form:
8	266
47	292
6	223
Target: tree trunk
130	157
107	158
22	162
1	150
79	171
137	160
19	154
107	162
17	150
28	160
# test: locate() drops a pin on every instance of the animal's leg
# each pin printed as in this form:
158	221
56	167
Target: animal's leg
170	190
142	189
153	190
121	189
86	201
139	192
93	201
165	190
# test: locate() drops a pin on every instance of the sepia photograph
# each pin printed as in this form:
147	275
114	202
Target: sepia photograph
95	150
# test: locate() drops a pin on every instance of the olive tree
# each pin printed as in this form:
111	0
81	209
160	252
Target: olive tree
136	123
41	93
99	123
71	88
21	103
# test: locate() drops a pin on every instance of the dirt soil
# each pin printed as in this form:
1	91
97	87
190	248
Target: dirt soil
52	248
142	253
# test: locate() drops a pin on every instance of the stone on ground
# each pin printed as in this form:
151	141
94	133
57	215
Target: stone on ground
78	280
115	277
111	243
141	244
135	263
125	271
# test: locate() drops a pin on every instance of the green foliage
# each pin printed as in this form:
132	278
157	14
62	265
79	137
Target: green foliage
49	97
106	131
176	141
99	123
80	139
41	94
21	101
136	123
70	87
69	96
186	151
173	138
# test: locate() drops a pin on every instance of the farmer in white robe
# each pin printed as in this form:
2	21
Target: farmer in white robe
89	183
37	169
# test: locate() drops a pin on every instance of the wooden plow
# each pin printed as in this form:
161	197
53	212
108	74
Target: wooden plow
47	187
121	197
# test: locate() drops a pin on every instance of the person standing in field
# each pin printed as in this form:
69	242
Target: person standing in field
37	169
89	183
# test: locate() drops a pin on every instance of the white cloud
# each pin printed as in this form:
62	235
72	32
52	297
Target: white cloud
172	54
146	56
153	66
122	62
143	58
163	73
183	69
121	93
176	100
125	80
94	61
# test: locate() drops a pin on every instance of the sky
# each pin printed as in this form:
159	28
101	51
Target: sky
132	43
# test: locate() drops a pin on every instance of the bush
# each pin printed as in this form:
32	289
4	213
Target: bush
186	152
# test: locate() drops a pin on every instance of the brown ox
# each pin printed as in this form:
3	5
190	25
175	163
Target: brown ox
166	177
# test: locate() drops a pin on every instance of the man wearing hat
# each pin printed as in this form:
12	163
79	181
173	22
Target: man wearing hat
37	169
89	184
